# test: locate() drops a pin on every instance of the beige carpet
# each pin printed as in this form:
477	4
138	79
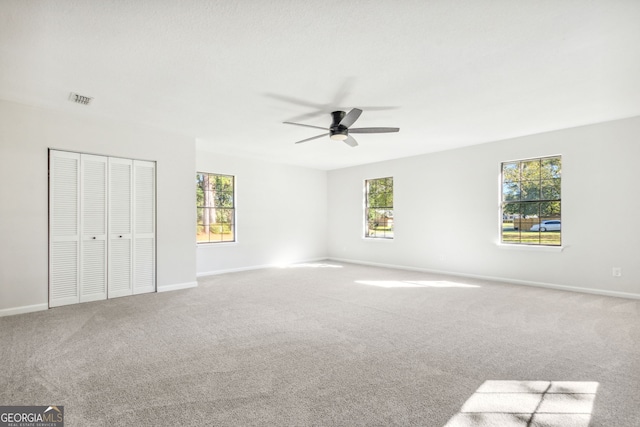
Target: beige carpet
331	344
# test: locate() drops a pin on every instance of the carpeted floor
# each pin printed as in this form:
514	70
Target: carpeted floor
330	344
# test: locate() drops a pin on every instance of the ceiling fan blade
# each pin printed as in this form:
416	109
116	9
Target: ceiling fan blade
373	130
313	137
343	92
309	115
308	126
382	108
351	117
351	141
295	101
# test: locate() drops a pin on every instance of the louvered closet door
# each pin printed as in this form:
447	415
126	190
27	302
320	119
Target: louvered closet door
144	241
93	219
120	227
64	228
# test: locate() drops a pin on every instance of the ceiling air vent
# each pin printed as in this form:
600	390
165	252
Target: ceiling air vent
80	99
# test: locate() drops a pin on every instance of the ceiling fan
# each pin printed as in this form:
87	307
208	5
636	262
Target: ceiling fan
340	127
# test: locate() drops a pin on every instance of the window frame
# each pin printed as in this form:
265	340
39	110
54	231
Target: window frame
367	231
232	216
545	196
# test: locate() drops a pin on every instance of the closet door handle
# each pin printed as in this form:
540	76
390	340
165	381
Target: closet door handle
94	237
120	237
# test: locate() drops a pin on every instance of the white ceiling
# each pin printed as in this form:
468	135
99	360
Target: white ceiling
228	73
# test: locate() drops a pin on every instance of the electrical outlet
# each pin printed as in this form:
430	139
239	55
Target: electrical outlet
617	272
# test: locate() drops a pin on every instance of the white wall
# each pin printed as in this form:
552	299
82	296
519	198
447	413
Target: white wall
25	135
446	206
281	215
446	211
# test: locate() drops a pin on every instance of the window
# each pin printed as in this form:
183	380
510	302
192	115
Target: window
379	208
215	205
531	201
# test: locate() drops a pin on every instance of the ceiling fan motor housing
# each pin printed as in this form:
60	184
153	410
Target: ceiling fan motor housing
337	131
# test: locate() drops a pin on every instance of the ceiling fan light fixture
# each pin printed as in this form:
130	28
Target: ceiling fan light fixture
338	136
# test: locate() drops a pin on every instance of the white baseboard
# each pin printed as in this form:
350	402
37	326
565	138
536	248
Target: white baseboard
255	267
23	309
177	286
497	279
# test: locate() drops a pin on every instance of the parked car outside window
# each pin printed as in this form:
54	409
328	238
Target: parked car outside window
551	225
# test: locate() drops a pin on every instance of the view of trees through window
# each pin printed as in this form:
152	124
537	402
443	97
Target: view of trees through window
531	201
215	208
379	208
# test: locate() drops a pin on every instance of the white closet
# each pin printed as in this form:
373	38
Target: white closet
101	227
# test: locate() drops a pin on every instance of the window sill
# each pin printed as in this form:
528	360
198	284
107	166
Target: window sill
377	239
535	248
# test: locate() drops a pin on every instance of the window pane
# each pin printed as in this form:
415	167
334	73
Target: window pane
371	227
380	199
530	237
550	210
224	199
379	229
370	200
551	168
228	235
199	190
214	235
550	189
510	191
511	170
511	211
224	215
550	238
224	183
387	200
511	222
530	170
530	190
199	216
207	216
509	235
201	234
530	210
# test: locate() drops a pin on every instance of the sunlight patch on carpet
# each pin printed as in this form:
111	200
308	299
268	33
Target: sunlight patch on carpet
528	404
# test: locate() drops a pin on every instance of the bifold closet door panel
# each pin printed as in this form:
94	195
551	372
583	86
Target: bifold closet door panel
144	240
64	228
120	227
102	240
93	217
